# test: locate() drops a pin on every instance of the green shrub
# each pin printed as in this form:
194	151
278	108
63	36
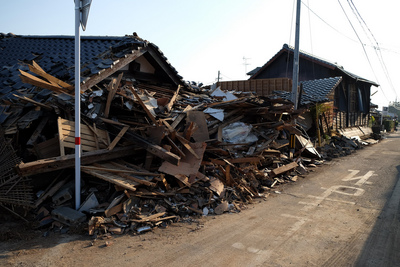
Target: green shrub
389	125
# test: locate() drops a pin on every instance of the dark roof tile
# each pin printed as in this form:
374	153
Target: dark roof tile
55	54
287	48
314	91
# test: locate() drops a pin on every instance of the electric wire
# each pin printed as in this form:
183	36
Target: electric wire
376	48
341	33
221	74
330	26
362	45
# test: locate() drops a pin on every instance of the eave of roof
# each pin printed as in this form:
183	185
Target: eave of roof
323	62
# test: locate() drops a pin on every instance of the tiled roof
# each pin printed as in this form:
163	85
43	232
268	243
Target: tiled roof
55	54
287	48
324	61
315	91
310	56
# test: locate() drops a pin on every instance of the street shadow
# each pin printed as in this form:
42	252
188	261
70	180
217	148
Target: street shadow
383	244
45	239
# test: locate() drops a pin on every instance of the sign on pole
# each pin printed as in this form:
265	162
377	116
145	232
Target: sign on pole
85	12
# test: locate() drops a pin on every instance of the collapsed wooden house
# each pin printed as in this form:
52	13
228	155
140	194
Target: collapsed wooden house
154	148
36	102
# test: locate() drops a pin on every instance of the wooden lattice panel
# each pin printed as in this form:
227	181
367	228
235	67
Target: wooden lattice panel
91	138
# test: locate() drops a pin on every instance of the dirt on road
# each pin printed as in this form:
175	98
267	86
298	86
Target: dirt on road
345	213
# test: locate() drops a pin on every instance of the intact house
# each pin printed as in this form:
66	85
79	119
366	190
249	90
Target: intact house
323	81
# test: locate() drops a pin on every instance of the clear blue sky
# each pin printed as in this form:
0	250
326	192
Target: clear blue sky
201	37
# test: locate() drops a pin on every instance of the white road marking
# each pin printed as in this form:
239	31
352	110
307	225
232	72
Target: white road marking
362	179
333	189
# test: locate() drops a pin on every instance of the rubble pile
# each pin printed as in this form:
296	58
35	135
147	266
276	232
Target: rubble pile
151	155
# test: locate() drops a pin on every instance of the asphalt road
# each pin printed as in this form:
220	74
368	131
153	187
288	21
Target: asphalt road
345	213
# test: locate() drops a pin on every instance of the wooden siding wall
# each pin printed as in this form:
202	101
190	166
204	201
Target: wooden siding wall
336	120
355	119
261	87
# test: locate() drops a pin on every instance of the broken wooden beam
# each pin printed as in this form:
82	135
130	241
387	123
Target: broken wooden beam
68	161
34	102
236	160
117	138
35	68
152	148
29	78
95	79
284	168
137	97
173	99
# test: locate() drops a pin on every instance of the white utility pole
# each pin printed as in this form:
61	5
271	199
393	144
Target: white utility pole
295	80
81	15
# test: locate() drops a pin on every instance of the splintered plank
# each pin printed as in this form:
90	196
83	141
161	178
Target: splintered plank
236	160
118	137
95	79
284	168
173	99
33	102
152	218
29	78
68	161
180	117
154	149
112	89
137	97
112	178
111	93
186	144
35	68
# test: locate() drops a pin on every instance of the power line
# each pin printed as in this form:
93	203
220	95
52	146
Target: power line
330	26
376	48
362	45
221	74
341	33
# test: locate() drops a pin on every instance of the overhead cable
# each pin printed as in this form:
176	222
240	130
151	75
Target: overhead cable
362	45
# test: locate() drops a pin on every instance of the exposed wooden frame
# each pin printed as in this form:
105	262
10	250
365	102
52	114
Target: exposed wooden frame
95	79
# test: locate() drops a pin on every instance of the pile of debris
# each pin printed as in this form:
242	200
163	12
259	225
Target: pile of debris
155	149
150	155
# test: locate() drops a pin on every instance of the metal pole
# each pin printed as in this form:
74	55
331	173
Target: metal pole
295	81
77	106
